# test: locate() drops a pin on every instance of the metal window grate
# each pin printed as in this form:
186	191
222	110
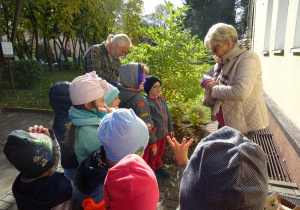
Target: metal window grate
277	168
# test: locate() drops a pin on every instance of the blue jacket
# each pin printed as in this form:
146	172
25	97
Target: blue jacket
60	102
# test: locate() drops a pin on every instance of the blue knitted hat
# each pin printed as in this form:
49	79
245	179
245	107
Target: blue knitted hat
111	94
122	133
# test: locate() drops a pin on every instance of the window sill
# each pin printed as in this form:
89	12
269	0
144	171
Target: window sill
277	51
295	50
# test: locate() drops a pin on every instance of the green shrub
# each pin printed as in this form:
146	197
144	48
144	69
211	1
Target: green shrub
27	73
174	60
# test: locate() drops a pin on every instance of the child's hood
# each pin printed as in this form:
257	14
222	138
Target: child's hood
128	74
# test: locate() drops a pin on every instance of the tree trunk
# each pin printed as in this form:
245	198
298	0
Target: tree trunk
2	60
13	37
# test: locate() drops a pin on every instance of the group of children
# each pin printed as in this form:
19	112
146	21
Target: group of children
103	129
116	139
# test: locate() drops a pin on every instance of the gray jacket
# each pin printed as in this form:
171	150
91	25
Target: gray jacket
131	96
161	116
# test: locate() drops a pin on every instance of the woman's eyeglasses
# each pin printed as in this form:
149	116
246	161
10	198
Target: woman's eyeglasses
156	87
214	49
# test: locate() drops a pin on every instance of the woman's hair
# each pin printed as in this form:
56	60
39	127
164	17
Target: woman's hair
218	34
121	39
71	128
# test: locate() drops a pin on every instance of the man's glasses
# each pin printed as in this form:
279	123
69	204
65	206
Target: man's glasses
214	49
156	87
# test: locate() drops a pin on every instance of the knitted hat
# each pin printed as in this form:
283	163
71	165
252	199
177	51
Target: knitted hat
111	94
31	153
87	88
226	171
122	133
131	184
150	81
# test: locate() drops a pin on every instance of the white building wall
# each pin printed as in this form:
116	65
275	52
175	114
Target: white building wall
281	72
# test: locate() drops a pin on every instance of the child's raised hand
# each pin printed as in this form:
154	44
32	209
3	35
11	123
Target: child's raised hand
39	129
106	109
180	150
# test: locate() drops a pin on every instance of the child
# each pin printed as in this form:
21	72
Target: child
60	102
38	186
111	99
122	186
121	133
162	124
87	96
132	76
226	171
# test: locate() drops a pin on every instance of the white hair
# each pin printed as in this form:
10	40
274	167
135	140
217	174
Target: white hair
218	34
120	39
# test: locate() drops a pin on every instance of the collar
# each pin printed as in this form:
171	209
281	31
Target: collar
157	96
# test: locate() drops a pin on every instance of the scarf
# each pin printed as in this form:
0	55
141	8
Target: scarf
82	117
224	64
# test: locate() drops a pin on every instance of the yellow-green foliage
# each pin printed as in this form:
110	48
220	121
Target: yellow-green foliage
173	59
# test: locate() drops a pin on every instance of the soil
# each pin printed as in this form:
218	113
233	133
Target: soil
186	131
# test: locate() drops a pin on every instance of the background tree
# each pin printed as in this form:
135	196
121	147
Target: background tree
174	60
129	18
12	37
204	13
241	17
155	19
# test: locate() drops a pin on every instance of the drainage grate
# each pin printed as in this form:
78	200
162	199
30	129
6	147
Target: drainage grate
277	168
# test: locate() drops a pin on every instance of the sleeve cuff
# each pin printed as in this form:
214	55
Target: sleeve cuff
152	146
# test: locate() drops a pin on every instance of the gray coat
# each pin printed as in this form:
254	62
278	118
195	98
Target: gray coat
160	115
131	96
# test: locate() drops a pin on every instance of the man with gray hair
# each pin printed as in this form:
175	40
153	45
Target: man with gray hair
104	58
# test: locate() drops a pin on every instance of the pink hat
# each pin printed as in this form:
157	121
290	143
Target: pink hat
131	184
87	88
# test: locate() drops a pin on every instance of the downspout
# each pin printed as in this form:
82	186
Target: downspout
249	20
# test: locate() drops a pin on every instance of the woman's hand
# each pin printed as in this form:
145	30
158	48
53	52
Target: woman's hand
180	150
39	129
211	85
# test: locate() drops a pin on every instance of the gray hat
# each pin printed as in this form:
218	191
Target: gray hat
226	171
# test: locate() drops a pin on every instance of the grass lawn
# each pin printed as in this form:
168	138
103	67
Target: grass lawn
37	97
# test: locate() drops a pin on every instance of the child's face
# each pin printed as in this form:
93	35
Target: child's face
115	103
99	103
155	90
141	86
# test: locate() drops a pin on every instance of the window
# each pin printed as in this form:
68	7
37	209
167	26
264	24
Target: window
268	28
281	26
296	46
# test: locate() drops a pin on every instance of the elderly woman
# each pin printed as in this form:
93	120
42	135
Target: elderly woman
236	80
